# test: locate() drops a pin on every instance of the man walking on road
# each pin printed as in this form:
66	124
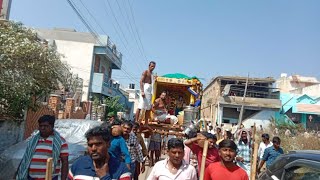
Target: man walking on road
136	131
133	147
212	153
47	143
145	93
226	168
244	152
173	167
264	145
98	164
271	153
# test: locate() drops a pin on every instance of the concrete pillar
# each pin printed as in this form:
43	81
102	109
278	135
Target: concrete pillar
220	117
70	104
54	102
304	120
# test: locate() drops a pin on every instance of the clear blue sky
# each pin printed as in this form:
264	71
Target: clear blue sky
203	38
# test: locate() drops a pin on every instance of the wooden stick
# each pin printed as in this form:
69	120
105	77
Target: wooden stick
254	155
253	140
169	133
49	169
254	162
203	160
254	132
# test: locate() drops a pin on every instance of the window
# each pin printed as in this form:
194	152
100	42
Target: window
302	173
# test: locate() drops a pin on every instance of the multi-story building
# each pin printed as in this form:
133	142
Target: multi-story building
224	98
92	58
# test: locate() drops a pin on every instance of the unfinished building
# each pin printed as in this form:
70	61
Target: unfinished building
225	96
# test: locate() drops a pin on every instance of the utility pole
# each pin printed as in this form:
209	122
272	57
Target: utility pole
242	104
5	6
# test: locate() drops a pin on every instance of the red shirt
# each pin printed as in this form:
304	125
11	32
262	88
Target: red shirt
218	171
212	155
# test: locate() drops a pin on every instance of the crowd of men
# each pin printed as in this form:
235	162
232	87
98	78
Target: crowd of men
116	150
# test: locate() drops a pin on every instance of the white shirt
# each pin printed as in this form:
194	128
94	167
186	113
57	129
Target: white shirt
160	171
212	131
262	147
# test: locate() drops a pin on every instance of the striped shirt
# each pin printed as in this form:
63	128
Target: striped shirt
43	151
83	169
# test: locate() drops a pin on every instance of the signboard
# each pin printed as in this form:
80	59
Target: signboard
175	81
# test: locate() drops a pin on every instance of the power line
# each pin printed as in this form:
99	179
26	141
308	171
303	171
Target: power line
116	20
135	25
131	28
74	7
95	34
104	31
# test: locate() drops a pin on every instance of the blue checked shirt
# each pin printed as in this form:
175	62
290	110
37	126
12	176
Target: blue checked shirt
134	148
244	151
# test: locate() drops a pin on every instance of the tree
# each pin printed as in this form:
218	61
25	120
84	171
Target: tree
113	105
29	67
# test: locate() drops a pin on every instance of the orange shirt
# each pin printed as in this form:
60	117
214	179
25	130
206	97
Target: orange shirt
218	171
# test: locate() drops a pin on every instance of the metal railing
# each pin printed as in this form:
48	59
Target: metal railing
113	48
254	93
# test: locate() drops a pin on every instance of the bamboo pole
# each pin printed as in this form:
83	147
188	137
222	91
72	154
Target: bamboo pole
253	140
243	100
254	156
203	160
254	133
169	133
254	162
49	169
205	125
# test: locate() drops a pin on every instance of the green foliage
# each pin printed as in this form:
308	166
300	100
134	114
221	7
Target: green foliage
113	104
29	67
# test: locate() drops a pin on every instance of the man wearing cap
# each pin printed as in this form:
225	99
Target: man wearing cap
226	168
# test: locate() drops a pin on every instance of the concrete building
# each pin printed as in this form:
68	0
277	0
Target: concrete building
300	98
300	109
133	96
223	98
93	60
297	84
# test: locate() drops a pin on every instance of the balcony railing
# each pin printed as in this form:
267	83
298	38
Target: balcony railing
113	48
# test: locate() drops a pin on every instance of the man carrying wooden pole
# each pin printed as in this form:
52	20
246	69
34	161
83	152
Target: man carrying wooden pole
204	156
255	154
